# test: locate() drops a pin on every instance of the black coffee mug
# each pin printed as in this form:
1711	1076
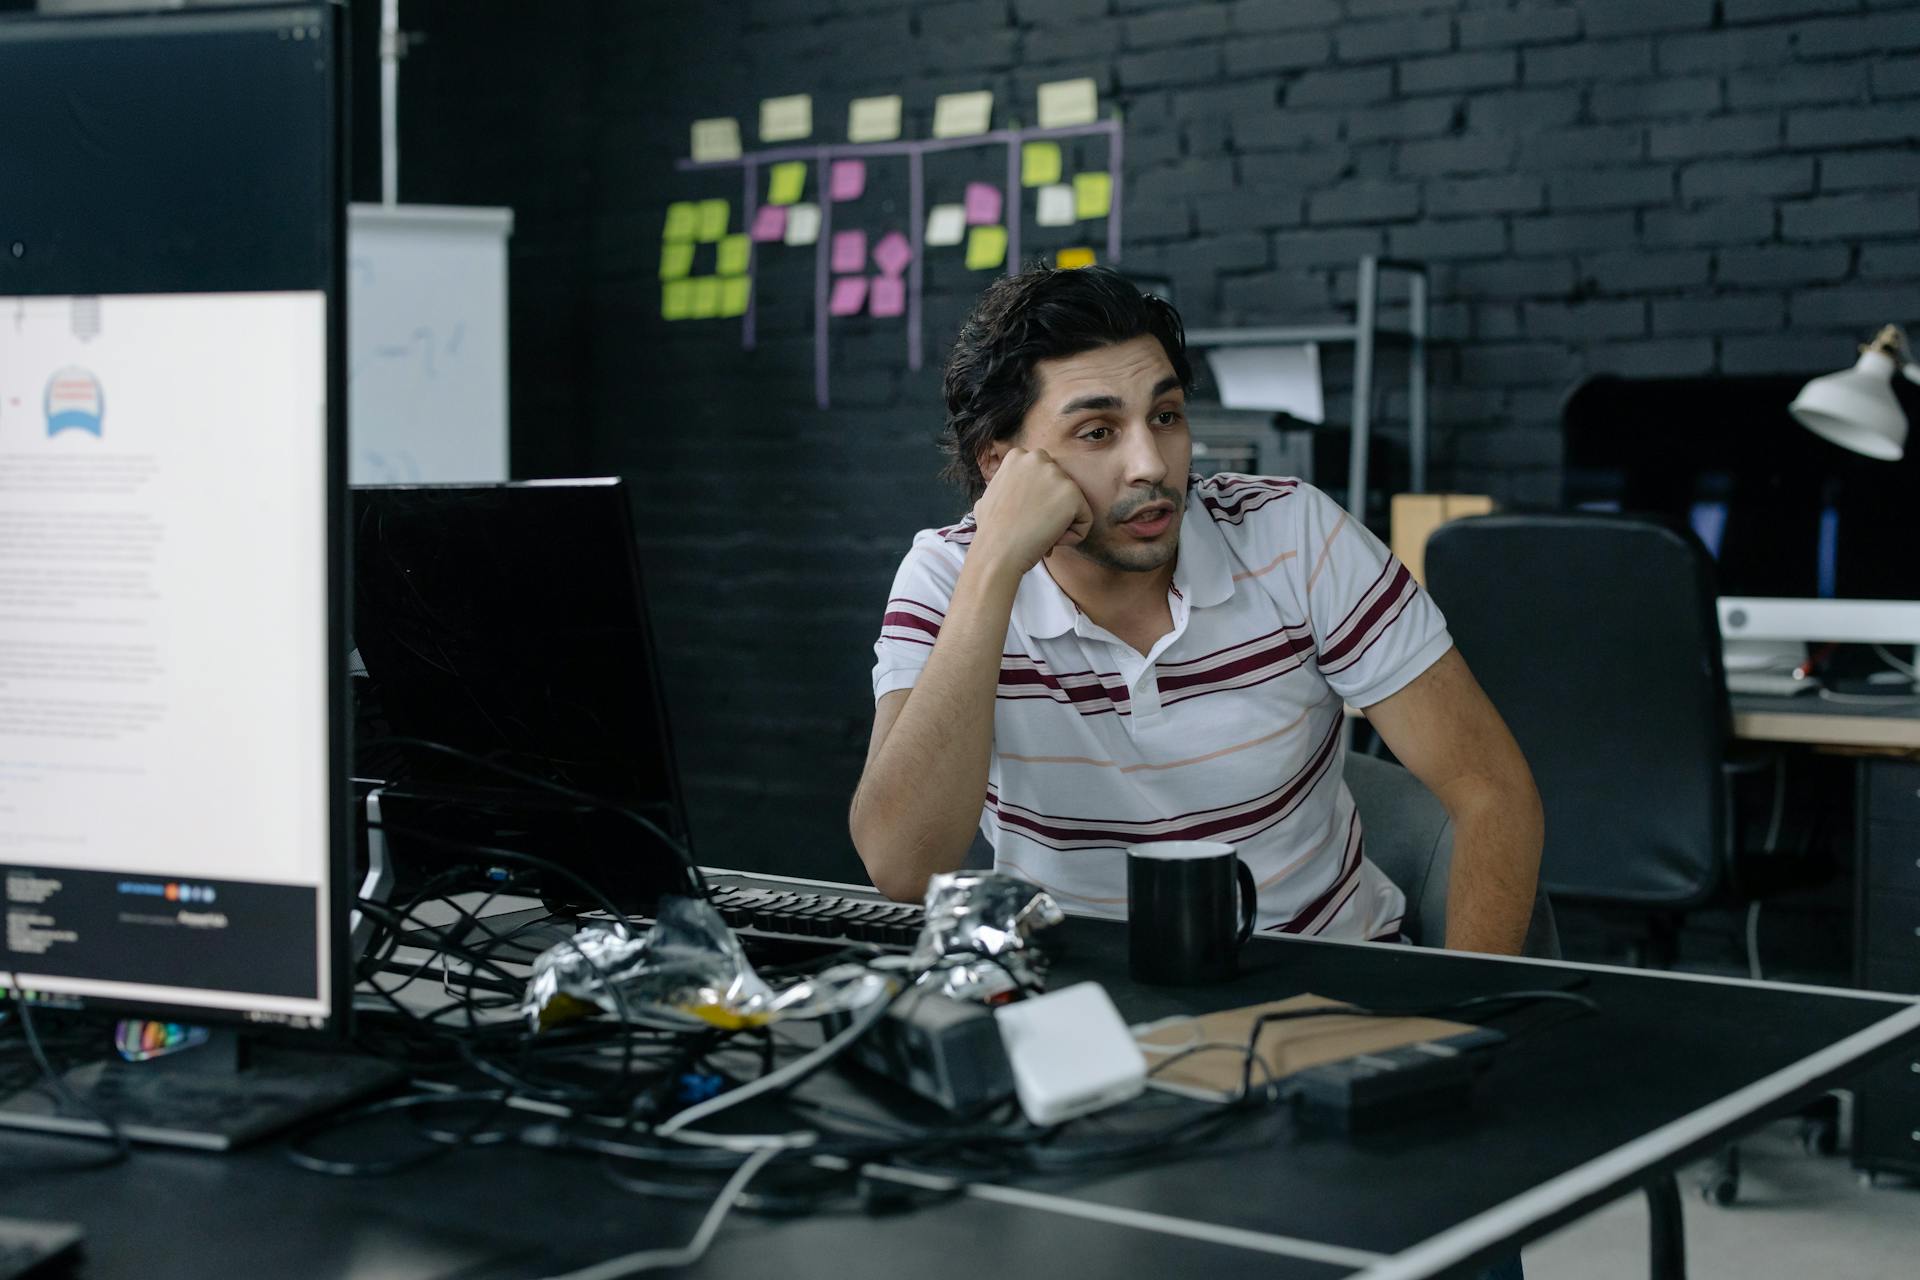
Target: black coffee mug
1190	906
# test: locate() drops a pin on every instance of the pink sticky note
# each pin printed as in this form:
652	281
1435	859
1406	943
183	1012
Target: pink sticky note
892	254
848	179
849	292
983	203
849	251
769	223
886	296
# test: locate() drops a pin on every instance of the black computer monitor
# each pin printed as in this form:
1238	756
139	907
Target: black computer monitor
507	625
174	811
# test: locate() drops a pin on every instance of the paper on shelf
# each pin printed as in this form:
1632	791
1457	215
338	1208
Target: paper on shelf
1284	377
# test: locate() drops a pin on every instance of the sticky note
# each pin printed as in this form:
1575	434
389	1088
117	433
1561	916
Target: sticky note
786	119
803	224
1092	195
847	179
886	296
986	248
732	257
716	139
983	203
713	221
892	254
946	224
961	115
676	300
874	119
1065	102
676	260
1039	164
849	251
1076	257
682	220
1055	206
769	223
786	181
848	296
706	297
734	292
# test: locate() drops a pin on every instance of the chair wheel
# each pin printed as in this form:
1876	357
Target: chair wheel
1720	1189
1819	1137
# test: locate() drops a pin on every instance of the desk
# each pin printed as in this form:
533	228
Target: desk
1672	1067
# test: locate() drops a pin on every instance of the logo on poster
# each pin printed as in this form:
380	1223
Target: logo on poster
74	402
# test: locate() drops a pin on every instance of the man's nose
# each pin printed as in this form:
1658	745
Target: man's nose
1144	463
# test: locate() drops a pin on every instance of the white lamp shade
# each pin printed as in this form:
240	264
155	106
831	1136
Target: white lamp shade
1856	408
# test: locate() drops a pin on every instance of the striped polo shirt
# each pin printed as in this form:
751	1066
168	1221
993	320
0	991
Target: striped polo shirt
1229	729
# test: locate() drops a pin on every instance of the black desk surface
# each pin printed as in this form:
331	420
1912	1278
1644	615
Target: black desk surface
1563	1121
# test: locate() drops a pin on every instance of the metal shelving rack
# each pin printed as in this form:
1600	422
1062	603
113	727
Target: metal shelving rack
1365	334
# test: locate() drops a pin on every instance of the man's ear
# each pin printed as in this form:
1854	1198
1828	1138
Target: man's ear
989	459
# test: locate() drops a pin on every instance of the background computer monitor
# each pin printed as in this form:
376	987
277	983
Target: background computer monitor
173	807
507	623
1810	541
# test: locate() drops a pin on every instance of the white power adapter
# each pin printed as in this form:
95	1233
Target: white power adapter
1071	1053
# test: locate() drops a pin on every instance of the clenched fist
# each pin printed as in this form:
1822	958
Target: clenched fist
1030	507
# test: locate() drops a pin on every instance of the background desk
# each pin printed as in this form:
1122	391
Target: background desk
1565	1120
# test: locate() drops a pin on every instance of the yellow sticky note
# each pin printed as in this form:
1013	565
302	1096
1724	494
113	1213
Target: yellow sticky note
1067	259
1039	164
986	248
732	260
682	219
874	119
676	260
1092	195
717	138
786	119
734	291
713	221
706	297
786	181
1068	102
676	300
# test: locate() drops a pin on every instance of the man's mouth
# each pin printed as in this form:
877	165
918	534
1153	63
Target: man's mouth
1150	520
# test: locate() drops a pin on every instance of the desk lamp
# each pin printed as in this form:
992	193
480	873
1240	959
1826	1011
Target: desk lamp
1856	409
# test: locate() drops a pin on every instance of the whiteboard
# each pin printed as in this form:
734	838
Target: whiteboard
426	343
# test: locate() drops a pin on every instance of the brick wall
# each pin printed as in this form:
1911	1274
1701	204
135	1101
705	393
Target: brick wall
1672	188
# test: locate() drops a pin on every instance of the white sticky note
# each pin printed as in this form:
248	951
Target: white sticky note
786	119
1065	102
803	223
874	119
716	139
961	115
1056	206
946	224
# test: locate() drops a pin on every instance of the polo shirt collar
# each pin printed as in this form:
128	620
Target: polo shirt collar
1202	575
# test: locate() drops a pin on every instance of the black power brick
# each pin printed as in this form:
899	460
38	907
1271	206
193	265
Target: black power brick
1372	1090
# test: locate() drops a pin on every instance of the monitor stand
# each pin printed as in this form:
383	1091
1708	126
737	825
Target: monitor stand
215	1097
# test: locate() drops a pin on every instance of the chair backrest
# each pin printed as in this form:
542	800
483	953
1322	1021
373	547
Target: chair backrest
1410	838
1597	639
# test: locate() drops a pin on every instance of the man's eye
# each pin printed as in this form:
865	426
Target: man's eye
1096	433
1167	417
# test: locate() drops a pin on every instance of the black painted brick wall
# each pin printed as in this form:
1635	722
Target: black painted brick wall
1648	187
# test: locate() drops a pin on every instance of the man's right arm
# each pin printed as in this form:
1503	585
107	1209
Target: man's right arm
920	793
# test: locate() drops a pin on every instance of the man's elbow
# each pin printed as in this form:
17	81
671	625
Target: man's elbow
892	874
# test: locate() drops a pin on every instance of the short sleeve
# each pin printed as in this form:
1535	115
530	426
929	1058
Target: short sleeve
916	606
1375	629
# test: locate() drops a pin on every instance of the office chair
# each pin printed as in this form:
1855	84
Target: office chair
1596	637
1410	838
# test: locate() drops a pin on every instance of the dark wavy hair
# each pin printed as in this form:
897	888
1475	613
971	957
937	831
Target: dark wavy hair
1042	313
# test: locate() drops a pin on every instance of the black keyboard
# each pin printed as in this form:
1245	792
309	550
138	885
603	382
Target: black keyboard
788	914
32	1249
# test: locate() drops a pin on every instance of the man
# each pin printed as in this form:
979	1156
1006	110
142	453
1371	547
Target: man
1109	651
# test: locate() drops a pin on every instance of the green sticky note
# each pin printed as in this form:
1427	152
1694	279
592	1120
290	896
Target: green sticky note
1039	164
786	181
733	256
1092	195
706	297
734	292
986	248
682	219
676	300
713	220
676	260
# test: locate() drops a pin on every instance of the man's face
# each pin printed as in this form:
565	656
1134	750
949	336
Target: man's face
1115	420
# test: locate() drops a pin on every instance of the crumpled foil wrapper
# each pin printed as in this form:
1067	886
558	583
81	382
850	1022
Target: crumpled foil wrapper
990	915
688	969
